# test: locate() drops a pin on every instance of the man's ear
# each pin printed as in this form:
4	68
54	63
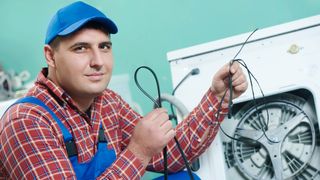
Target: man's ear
49	55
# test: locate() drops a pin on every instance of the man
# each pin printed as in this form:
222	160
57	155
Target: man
74	123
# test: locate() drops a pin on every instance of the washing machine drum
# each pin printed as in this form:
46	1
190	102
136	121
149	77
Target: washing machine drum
276	137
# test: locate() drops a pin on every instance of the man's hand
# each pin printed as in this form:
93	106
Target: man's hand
151	135
220	82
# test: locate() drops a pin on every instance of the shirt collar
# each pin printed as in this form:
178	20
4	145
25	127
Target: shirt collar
42	79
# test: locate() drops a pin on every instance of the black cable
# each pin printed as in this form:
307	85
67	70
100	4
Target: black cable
230	87
230	75
159	106
241	62
142	90
254	100
245	42
217	114
231	90
193	72
264	99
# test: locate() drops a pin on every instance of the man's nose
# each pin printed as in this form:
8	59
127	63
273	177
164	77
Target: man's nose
96	59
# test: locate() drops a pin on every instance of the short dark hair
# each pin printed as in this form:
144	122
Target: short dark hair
90	25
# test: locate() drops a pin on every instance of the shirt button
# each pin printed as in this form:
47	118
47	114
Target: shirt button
210	108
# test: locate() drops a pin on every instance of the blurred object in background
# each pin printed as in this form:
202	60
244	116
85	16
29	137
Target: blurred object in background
12	84
5	86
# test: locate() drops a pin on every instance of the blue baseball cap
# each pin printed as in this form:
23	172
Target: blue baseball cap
70	18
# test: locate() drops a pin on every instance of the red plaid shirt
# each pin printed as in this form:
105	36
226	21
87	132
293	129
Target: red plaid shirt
32	145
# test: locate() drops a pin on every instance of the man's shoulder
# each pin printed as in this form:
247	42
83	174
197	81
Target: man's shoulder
23	113
24	110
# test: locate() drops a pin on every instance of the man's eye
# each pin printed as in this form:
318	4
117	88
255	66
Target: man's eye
106	46
79	48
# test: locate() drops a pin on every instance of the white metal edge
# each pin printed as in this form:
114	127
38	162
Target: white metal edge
262	33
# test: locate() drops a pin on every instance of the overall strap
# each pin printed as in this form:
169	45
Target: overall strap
102	137
67	137
30	99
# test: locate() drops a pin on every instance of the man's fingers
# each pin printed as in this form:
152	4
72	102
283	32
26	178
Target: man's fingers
161	117
241	87
238	79
235	70
223	72
234	67
153	115
170	134
166	126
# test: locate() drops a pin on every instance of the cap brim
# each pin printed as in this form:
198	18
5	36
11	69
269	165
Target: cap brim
107	23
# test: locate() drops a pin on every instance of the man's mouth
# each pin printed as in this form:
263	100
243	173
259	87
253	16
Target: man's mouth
95	76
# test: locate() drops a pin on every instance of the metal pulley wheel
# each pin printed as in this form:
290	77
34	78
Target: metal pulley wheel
275	138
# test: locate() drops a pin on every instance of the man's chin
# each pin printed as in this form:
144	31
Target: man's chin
97	93
96	89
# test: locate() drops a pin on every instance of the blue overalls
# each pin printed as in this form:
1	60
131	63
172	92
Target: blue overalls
99	163
89	170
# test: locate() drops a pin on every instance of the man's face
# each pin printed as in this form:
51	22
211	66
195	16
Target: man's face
83	63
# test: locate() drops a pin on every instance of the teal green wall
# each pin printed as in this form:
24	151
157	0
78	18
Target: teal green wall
148	29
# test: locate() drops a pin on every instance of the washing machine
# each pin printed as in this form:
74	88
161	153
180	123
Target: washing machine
274	125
